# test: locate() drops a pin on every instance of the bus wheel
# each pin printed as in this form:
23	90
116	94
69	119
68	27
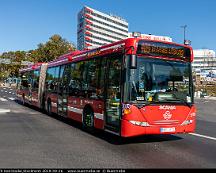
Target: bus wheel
49	108
88	119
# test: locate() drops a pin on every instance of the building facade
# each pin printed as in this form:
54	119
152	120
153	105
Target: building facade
95	29
204	59
204	64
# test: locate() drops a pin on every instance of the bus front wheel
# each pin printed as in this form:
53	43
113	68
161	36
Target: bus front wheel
88	119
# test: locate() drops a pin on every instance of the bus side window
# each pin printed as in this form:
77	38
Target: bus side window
114	78
101	73
74	83
91	78
24	83
49	79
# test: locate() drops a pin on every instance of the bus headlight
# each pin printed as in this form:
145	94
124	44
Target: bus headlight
187	122
138	123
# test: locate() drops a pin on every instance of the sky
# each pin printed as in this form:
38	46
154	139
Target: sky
26	23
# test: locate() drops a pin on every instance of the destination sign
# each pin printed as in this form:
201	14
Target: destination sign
162	49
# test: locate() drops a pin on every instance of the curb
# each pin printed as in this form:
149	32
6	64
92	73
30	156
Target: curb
206	98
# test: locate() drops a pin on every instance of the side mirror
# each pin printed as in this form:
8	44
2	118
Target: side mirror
133	62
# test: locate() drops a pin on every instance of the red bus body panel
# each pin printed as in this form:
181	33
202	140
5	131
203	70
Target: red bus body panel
76	106
157	118
34	99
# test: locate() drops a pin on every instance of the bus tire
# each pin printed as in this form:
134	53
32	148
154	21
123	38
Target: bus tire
88	119
49	107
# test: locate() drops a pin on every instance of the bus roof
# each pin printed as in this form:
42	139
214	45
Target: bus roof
31	67
128	45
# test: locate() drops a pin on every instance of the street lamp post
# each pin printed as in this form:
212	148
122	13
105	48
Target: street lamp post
184	27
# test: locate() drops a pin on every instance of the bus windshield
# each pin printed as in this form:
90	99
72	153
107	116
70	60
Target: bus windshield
159	80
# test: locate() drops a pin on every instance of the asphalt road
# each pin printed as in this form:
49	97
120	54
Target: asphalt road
32	139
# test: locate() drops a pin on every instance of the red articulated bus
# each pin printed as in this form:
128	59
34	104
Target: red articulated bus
129	88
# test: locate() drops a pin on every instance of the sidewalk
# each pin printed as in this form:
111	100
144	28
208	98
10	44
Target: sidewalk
206	98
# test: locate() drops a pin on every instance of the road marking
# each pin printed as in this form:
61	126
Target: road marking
3	99
203	136
4	110
11	98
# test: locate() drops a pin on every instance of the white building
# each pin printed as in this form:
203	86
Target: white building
95	28
204	59
204	64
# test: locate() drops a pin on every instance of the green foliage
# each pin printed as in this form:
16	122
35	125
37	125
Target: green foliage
52	49
11	69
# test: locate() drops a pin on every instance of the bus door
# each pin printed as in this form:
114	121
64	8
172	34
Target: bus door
63	91
112	94
28	94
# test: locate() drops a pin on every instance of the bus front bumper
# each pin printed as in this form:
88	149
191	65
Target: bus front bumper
129	129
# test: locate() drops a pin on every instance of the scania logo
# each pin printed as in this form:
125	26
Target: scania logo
167	115
166	107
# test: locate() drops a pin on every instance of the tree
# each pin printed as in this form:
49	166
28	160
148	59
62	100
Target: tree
20	56
52	49
11	68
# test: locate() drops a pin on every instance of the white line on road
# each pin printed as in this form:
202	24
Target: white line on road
4	110
203	136
11	98
3	99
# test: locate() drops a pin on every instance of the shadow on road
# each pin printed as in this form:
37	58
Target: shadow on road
111	138
116	140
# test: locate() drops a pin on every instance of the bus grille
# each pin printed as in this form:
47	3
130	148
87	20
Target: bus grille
166	122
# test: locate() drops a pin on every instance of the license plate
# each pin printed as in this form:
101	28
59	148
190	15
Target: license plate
172	129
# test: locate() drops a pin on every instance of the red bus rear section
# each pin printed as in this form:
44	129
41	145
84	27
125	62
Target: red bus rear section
129	88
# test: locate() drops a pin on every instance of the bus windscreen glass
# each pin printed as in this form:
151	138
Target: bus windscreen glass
151	48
